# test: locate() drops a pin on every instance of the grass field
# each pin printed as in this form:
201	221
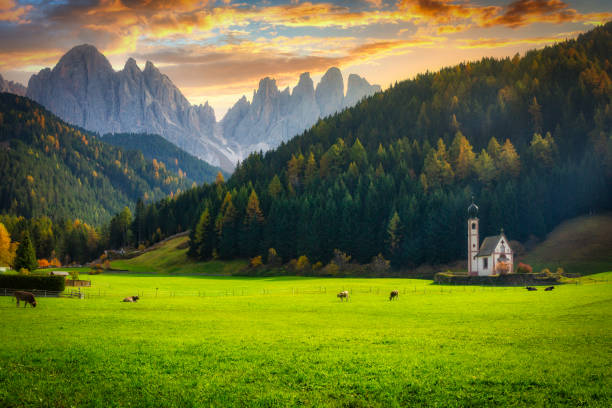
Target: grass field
171	257
224	341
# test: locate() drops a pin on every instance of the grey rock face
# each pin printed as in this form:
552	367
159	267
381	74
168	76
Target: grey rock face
274	117
357	89
330	92
83	89
12	87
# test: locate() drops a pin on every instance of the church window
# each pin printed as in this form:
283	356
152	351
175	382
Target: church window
473	225
485	263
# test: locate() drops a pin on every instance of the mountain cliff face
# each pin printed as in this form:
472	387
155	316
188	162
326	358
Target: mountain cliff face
274	117
12	87
83	89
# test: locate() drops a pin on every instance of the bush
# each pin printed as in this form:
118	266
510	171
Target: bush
274	260
255	262
524	268
74	274
378	265
57	283
24	271
43	263
303	264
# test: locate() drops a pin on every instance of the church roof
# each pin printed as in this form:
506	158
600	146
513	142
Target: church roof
489	244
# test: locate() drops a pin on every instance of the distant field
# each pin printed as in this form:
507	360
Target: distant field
581	245
227	341
171	257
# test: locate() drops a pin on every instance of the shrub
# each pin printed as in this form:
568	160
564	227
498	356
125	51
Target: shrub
546	272
255	262
524	268
106	265
559	272
379	264
502	268
331	269
24	271
341	259
32	282
74	274
274	260
55	262
43	263
303	264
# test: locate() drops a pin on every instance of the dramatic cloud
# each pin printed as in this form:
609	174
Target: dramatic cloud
212	45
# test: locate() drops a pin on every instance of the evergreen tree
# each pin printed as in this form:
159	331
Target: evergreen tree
26	256
204	238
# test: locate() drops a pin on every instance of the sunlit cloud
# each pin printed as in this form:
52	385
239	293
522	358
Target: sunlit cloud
216	46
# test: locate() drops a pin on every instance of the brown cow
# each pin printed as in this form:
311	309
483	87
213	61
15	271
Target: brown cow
131	299
394	295
27	297
343	295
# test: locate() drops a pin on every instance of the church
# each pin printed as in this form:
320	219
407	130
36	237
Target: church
494	256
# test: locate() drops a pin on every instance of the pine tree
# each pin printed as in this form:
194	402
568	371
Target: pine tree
25	257
394	238
204	239
509	162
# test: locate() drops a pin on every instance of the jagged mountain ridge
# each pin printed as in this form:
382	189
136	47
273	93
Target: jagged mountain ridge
12	87
276	116
85	90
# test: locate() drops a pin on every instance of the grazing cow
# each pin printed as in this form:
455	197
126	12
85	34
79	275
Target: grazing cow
394	295
531	288
343	295
27	297
549	288
131	299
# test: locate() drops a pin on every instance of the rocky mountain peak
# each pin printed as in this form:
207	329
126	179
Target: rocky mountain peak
131	66
12	87
330	92
358	88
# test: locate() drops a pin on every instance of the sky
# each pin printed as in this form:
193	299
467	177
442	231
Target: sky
218	50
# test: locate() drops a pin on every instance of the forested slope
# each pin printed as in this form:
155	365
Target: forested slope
155	147
48	167
529	138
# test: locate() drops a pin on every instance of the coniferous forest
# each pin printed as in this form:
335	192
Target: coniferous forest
50	168
528	137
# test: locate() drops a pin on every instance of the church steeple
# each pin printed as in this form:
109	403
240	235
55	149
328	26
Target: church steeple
473	240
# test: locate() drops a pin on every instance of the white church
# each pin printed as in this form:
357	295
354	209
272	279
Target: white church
493	256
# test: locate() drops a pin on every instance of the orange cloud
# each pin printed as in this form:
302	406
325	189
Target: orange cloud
10	11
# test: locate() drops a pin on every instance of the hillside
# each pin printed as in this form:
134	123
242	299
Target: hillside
48	167
528	138
175	159
580	245
170	256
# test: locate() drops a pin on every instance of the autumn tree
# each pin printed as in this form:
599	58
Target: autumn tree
485	168
7	248
461	156
509	162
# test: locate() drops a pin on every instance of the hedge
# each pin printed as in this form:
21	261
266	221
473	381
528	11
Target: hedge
57	283
511	279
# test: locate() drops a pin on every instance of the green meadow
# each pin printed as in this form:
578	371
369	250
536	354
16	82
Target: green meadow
265	342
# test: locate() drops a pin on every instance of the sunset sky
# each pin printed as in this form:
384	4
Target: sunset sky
217	51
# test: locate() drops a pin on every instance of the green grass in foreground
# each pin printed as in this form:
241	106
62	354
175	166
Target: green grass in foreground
171	257
290	342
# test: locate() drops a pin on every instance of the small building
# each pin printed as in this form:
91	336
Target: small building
493	255
58	273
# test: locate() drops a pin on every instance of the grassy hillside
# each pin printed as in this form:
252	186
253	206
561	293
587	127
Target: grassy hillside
171	257
174	158
274	342
50	168
581	245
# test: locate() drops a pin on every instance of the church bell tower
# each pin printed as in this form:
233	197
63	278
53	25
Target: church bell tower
473	242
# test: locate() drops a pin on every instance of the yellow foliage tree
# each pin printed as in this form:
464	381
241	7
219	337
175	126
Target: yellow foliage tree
7	248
